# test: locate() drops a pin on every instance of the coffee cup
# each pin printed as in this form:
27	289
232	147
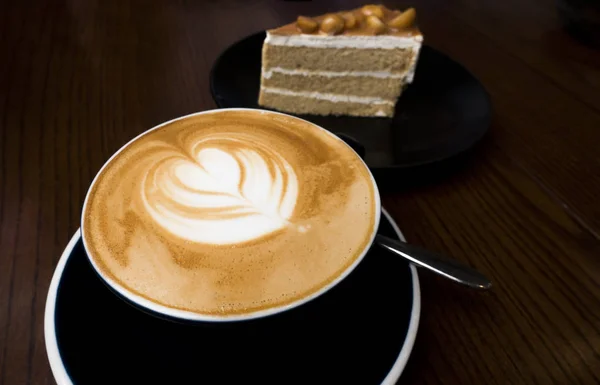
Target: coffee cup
229	215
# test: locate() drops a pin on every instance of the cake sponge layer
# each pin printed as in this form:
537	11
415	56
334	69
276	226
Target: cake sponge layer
338	59
306	105
385	88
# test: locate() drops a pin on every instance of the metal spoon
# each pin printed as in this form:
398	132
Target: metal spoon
437	263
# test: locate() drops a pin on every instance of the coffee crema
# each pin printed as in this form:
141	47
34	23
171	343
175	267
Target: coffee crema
230	212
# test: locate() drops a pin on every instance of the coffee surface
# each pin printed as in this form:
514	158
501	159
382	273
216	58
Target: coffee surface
229	212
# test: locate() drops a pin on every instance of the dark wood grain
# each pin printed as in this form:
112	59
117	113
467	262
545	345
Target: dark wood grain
546	128
79	79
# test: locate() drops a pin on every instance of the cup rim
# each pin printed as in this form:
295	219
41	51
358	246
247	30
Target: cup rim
187	315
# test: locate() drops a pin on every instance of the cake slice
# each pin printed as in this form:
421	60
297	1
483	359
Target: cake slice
352	63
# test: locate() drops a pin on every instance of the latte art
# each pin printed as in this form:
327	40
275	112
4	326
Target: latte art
227	193
229	212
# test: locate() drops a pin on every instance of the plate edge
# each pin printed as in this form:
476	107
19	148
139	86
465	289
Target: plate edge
415	315
56	365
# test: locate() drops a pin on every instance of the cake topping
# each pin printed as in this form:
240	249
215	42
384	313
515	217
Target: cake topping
306	24
375	24
403	20
374	10
369	20
349	20
360	17
332	24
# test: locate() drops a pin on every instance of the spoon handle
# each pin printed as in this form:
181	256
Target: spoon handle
437	263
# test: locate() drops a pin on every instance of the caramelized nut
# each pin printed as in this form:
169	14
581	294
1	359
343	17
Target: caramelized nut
332	24
375	24
360	17
403	20
306	24
350	20
371	9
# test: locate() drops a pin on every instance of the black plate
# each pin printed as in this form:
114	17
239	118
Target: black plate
443	113
360	332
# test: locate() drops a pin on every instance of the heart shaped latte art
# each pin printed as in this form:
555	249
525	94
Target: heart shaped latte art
221	193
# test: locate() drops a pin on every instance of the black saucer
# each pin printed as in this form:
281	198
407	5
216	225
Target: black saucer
443	113
360	332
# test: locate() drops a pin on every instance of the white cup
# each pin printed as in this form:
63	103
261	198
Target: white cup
177	314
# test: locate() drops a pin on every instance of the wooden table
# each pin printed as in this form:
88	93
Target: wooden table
80	78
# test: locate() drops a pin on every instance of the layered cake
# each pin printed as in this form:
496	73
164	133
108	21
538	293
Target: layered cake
354	62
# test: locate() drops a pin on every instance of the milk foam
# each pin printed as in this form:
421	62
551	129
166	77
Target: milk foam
220	197
229	212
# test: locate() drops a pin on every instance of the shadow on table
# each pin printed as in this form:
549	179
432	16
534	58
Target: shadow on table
390	180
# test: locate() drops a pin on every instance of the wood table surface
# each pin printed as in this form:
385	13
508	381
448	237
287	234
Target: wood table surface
78	79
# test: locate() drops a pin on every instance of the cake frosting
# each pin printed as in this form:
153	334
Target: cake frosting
336	98
375	74
348	41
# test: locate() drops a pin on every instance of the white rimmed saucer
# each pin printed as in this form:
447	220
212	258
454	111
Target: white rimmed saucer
362	331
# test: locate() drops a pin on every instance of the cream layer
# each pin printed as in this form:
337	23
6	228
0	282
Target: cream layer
341	41
335	98
333	74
